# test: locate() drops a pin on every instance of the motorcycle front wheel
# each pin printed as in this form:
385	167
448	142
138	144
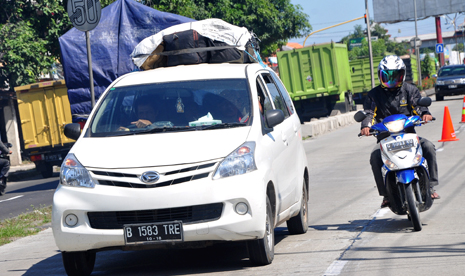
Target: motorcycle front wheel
413	211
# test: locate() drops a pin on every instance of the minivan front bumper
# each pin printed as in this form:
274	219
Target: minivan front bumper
228	192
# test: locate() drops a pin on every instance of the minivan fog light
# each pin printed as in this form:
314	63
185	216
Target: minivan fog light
71	220
242	208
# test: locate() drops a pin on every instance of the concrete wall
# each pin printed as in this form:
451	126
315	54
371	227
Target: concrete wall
11	128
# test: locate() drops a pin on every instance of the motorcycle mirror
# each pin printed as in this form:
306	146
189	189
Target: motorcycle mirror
360	116
424	101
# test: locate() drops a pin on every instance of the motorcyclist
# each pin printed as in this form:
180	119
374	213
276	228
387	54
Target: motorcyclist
394	96
4	167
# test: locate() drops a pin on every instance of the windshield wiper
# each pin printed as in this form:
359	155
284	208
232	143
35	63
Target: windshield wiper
166	129
224	125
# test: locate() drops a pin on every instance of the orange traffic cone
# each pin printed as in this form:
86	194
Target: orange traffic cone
448	132
463	111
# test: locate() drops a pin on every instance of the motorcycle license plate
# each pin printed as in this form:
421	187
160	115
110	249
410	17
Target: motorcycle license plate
399	145
153	232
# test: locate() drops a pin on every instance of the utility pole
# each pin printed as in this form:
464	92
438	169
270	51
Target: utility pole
417	50
367	18
439	39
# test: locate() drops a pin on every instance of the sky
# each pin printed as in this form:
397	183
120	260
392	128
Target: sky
326	13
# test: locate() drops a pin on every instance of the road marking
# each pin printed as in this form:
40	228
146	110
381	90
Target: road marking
335	268
11	198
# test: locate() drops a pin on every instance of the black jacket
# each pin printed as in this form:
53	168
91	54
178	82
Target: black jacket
3	148
381	103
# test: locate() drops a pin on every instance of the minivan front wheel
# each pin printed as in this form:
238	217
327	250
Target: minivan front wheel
80	263
299	223
261	251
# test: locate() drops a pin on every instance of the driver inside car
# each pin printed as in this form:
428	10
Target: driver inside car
146	110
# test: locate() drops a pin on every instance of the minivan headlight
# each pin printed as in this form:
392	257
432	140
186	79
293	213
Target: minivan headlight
73	174
440	82
240	161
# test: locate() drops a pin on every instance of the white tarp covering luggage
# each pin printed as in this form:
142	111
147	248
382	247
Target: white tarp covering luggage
215	29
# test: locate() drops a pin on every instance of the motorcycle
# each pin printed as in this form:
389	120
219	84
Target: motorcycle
405	171
3	180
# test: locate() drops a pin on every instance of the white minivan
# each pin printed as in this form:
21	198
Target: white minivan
192	154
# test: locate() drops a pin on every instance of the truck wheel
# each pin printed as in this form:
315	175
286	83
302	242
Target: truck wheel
47	171
79	263
261	251
299	223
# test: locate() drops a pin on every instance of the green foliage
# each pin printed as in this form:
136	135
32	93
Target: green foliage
427	66
458	47
426	83
379	47
25	224
29	32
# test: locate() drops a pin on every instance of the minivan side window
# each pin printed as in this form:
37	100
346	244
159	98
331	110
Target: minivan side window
264	101
275	95
284	93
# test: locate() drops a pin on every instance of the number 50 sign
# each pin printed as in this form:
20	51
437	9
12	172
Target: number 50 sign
84	14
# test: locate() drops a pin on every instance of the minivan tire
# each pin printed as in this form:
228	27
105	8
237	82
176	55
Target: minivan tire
299	224
80	263
261	251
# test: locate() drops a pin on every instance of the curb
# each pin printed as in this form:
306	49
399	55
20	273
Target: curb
22	175
325	125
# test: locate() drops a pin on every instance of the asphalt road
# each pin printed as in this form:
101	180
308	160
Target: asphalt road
348	233
24	196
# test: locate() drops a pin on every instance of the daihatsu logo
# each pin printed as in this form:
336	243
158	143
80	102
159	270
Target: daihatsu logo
149	177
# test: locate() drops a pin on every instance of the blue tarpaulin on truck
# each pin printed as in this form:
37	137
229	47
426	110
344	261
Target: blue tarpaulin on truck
123	24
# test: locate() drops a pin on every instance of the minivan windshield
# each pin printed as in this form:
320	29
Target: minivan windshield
173	106
452	71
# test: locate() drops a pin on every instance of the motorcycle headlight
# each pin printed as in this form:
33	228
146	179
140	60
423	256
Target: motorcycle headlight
73	174
240	161
395	126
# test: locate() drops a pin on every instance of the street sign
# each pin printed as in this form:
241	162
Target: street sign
412	42
439	48
84	14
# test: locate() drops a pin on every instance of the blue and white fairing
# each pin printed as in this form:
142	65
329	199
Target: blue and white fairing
400	151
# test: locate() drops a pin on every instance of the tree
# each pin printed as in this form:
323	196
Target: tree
427	66
29	32
458	47
379	47
273	21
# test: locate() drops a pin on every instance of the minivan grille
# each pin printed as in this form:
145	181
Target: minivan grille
133	181
189	214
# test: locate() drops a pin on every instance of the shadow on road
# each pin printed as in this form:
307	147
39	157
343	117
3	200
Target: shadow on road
49	185
228	258
400	224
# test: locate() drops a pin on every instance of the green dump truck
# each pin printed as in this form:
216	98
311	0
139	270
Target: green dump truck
318	79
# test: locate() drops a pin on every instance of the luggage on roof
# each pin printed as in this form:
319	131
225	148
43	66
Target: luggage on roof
206	41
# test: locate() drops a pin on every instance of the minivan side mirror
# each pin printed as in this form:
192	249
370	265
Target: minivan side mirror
424	101
72	131
434	76
360	116
274	117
